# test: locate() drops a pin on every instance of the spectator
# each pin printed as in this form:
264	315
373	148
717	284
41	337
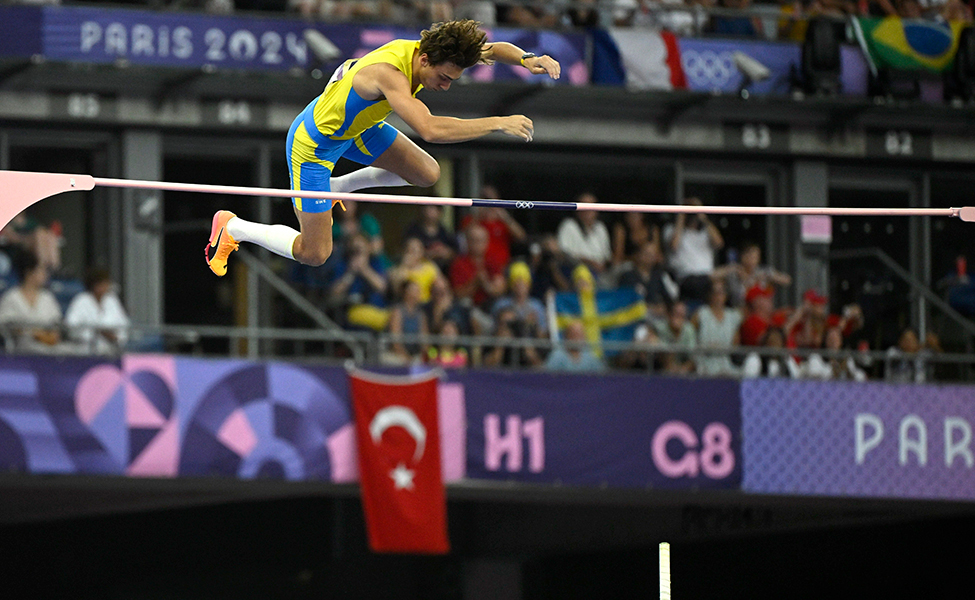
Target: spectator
631	234
663	14
806	327
526	308
908	9
832	367
678	332
503	230
641	359
349	222
359	277
585	289
692	241
475	275
759	301
415	267
717	327
447	354
944	10
649	278
585	237
476	10
551	266
408	318
439	244
509	327
531	16
956	10
907	362
392	11
771	365
575	354
444	307
25	234
582	14
750	272
96	318
29	312
741	26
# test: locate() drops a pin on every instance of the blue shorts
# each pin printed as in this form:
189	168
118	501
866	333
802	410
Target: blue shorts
312	156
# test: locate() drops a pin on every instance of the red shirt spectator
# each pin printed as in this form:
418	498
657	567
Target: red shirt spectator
501	227
477	275
761	317
809	324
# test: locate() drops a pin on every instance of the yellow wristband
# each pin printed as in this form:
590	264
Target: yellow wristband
527	55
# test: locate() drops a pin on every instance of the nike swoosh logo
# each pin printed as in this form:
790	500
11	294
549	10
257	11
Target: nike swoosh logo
216	245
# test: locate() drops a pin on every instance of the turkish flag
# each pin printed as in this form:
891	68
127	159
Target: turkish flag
398	439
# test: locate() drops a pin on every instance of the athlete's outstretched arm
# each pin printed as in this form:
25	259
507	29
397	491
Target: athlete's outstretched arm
509	54
440	130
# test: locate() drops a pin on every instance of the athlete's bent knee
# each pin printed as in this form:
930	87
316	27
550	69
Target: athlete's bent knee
314	257
428	174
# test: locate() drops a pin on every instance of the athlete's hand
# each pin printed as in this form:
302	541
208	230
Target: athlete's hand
518	126
544	64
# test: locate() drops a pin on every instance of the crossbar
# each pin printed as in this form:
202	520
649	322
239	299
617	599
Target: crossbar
19	190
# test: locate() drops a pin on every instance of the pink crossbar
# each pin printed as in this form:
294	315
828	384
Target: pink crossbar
22	189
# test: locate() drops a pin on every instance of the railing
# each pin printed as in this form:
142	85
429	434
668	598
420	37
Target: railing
374	348
918	288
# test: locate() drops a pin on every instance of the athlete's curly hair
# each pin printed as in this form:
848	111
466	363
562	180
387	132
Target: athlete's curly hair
457	42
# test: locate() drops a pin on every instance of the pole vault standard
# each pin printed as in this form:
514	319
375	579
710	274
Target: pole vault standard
19	190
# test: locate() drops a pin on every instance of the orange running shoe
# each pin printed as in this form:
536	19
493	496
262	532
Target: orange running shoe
221	243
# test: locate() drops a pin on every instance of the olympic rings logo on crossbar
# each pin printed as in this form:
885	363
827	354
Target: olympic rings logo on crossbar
524	204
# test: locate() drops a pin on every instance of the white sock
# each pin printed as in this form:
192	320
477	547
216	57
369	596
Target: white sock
279	239
367	177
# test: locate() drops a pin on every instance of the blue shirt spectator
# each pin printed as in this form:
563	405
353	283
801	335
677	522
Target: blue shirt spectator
576	355
358	277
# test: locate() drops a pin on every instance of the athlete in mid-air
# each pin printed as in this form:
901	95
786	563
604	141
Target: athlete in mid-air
348	119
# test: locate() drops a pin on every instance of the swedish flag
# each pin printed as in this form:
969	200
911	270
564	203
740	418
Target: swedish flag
611	315
910	43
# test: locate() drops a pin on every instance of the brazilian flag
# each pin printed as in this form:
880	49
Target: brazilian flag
909	43
611	315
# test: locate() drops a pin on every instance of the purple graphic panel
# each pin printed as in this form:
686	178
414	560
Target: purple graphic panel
871	439
42	429
268	420
615	430
163	416
192	40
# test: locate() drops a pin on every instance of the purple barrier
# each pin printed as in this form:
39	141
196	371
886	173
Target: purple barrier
156	415
163	416
872	439
192	40
621	431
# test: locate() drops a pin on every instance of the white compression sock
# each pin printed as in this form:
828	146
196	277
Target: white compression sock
279	239
367	177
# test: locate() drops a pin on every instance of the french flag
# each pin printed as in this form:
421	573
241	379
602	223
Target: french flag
641	59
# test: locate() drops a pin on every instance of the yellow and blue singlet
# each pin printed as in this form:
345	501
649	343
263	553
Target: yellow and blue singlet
340	122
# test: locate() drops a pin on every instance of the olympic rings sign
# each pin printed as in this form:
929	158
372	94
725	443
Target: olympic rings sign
708	69
524	204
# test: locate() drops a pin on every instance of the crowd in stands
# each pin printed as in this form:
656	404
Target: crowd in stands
687	314
770	19
33	318
553	300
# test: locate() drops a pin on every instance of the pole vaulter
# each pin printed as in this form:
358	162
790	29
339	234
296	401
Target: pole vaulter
20	189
